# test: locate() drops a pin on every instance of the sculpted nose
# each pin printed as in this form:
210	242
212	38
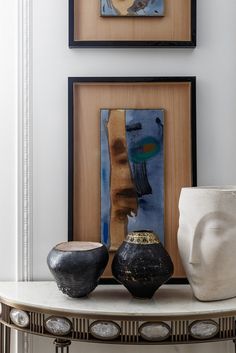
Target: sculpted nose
194	257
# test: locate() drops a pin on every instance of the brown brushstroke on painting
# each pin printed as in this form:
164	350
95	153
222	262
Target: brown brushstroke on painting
122	191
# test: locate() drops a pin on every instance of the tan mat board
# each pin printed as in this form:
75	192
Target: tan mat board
174	26
175	98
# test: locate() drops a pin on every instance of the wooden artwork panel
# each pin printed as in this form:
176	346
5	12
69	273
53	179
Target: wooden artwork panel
88	100
175	25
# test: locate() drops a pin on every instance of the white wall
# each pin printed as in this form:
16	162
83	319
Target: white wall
8	141
213	62
42	345
8	138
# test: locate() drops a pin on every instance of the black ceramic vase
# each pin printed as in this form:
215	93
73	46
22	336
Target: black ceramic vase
77	266
142	264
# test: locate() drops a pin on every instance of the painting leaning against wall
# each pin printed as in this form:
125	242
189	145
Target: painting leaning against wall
132	173
139	8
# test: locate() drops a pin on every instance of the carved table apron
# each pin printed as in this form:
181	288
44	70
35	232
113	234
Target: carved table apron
111	315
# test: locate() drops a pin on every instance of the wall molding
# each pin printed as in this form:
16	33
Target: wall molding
25	153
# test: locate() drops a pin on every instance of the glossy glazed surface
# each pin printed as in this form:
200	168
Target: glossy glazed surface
142	264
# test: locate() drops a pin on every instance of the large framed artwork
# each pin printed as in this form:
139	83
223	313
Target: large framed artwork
132	147
132	23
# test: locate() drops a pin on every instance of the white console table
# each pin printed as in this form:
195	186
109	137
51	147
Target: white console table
111	315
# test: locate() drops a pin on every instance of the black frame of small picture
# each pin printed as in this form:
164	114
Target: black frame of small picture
133	44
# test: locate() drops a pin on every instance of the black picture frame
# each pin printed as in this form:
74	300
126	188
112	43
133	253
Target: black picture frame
134	44
141	80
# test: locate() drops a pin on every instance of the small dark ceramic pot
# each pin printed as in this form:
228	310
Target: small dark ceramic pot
142	264
77	266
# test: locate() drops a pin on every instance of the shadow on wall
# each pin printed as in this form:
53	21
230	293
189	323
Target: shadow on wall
41	345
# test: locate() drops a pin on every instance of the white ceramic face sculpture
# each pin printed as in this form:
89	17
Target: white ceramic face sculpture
207	241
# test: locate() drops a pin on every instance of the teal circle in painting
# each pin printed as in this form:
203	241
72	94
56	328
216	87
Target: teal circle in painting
145	149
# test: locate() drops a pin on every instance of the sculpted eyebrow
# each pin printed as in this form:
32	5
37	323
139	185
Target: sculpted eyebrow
134	127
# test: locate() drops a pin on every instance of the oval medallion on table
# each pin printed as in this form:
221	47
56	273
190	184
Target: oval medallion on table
155	331
104	330
203	330
58	326
19	317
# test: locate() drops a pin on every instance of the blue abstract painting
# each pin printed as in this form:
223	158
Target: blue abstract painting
132	7
132	173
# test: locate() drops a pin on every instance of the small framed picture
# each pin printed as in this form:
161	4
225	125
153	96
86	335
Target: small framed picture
132	23
124	8
132	147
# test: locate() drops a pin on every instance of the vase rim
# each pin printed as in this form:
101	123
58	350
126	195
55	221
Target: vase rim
142	237
220	188
141	231
73	246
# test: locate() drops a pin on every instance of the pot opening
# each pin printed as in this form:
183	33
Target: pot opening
142	231
78	246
